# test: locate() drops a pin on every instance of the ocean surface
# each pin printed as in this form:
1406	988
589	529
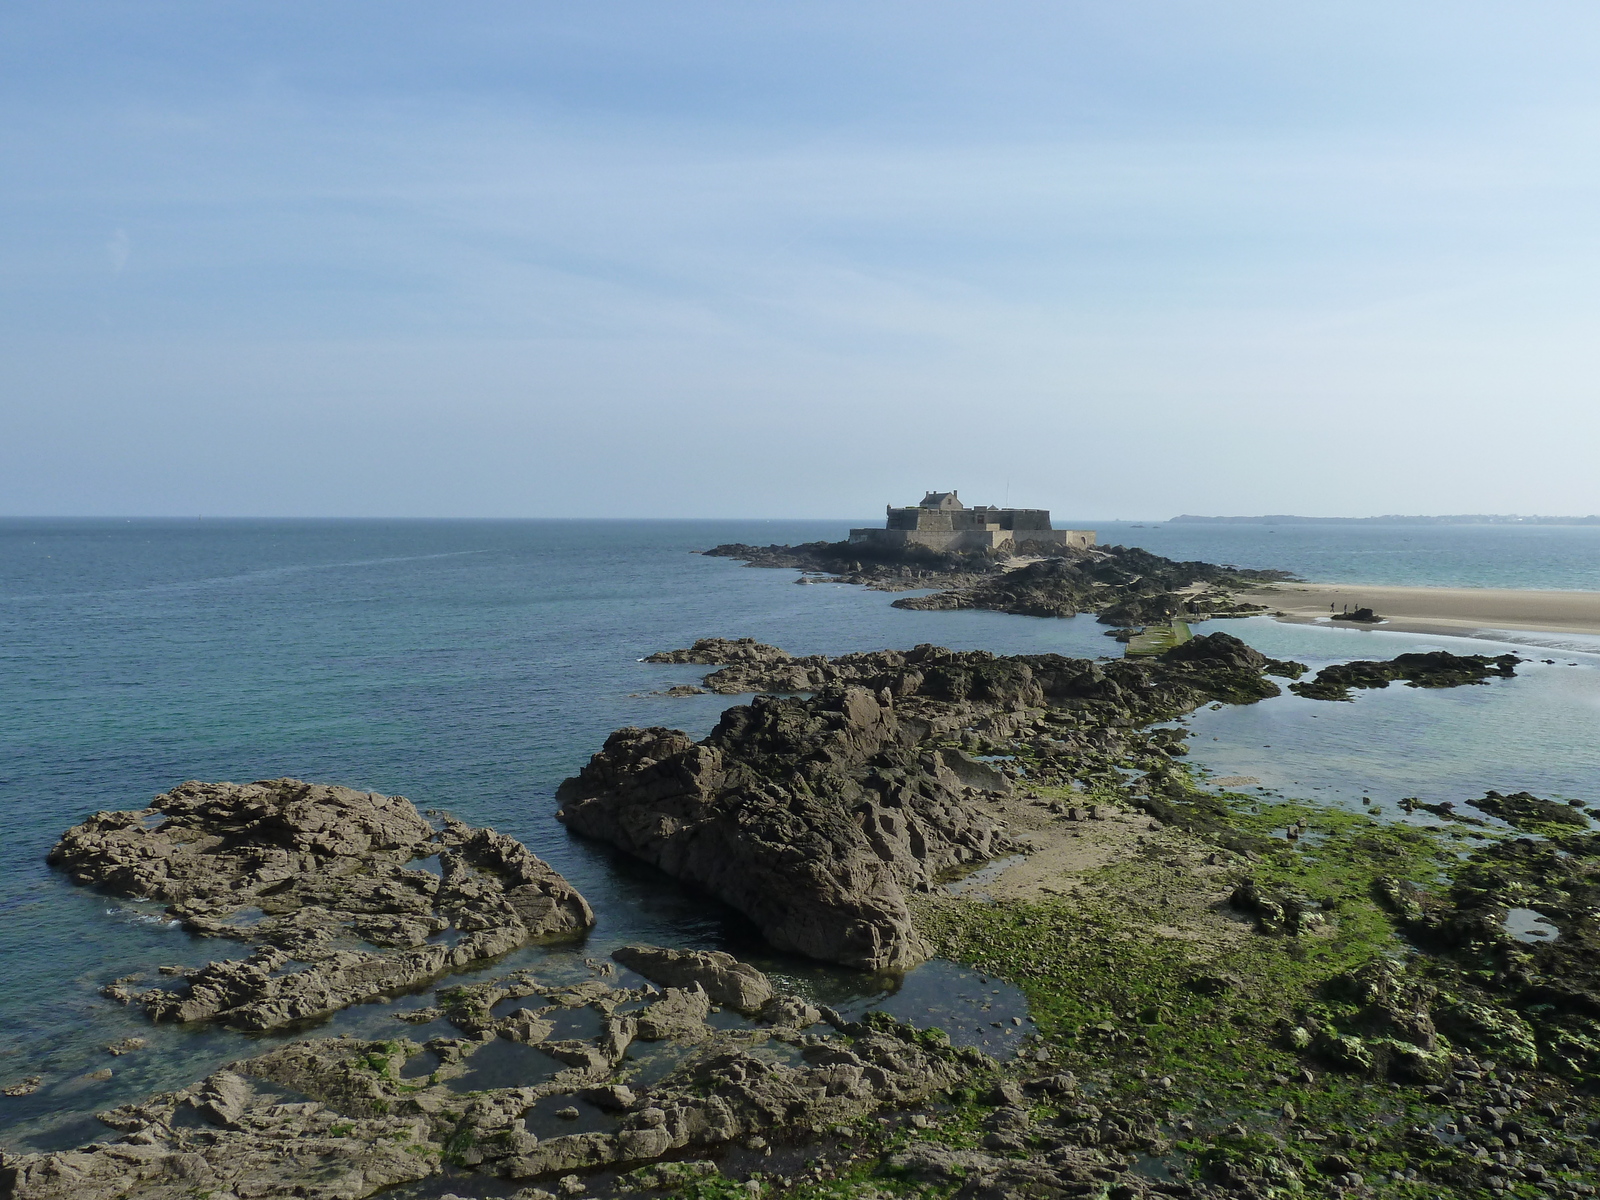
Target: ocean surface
472	665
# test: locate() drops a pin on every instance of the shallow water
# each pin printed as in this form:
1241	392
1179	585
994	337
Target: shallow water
473	665
1526	925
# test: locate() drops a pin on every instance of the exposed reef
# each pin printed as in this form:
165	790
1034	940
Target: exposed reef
1124	584
337	1118
1218	1011
1434	669
816	817
325	884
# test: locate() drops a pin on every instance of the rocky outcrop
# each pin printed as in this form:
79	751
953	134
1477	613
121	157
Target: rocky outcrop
883	568
724	978
323	882
815	817
1213	666
811	816
1125	584
1434	669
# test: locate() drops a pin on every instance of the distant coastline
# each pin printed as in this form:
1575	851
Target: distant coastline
1459	519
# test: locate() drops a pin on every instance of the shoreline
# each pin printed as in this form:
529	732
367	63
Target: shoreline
1460	612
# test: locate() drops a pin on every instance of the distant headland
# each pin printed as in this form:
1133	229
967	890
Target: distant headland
1392	519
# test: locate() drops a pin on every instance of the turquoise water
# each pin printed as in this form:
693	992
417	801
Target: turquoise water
473	665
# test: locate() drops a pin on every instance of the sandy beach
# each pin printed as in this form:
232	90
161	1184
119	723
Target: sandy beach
1459	611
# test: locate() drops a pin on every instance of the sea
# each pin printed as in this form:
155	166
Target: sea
473	665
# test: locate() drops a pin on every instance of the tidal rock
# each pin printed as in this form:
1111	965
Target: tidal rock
1434	669
810	816
817	816
791	1012
294	869
723	977
715	651
1527	811
680	1013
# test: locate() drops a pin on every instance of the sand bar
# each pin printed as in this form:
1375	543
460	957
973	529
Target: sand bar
1458	611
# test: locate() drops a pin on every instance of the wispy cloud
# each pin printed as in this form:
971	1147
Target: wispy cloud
546	260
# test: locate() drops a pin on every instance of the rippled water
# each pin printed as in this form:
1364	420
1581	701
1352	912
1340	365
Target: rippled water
473	665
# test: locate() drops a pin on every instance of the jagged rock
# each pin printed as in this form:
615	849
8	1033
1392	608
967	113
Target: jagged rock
1387	1028
723	977
811	816
311	863
1488	1029
611	1098
353	1126
816	817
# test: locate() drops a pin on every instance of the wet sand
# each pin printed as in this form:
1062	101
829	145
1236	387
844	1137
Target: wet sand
1458	611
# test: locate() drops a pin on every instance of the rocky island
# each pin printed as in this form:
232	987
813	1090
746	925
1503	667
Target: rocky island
1012	561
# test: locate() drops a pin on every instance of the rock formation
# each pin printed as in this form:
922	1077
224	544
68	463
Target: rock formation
1434	669
1124	584
321	882
724	978
815	817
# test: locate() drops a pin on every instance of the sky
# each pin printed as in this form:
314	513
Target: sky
1117	259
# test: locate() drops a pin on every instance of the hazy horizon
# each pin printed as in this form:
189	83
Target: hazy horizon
714	260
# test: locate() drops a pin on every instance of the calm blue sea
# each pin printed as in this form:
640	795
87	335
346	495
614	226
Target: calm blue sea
472	665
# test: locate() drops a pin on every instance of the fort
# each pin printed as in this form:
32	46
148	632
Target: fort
942	522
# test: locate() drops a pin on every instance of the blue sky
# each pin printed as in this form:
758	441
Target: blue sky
1117	259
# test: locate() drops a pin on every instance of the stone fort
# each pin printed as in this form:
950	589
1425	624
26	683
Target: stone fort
942	522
